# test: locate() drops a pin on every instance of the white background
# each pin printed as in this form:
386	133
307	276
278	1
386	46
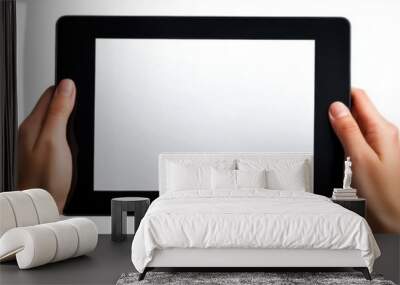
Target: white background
155	96
375	51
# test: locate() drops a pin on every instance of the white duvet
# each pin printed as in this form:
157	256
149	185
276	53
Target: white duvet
250	218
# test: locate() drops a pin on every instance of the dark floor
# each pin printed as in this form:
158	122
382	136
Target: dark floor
102	266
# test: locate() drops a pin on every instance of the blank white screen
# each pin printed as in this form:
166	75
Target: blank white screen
167	95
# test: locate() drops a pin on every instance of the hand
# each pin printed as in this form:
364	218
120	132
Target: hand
373	144
44	156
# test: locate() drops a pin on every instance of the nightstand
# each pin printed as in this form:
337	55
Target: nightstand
356	205
120	207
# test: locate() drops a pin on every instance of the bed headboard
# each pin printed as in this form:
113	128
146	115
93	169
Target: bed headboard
227	157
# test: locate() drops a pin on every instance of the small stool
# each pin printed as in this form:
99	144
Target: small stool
119	209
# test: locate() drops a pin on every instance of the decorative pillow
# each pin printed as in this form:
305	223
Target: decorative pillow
251	178
223	179
181	177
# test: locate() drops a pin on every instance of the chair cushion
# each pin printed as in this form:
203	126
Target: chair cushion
26	208
7	220
40	244
45	205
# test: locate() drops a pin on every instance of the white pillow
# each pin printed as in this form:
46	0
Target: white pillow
223	179
282	174
182	177
251	178
289	179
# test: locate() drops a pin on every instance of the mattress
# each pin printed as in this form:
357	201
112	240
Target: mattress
251	219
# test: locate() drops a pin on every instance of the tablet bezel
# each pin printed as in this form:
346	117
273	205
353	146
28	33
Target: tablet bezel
75	59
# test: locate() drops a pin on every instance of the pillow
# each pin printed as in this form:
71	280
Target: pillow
182	177
289	179
282	173
251	178
223	179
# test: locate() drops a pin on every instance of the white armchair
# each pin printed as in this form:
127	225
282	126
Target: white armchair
31	230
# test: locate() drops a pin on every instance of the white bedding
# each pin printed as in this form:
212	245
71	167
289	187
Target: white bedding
251	218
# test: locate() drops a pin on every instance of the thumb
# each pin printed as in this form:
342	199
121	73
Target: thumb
348	131
59	110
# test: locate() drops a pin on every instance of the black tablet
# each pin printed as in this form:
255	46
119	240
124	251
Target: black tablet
148	85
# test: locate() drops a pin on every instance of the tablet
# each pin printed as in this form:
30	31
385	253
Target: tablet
149	85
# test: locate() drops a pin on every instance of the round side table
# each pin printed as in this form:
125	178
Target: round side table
119	209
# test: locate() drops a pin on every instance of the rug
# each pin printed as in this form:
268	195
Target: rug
269	278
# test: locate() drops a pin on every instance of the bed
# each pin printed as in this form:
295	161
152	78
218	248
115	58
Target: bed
247	210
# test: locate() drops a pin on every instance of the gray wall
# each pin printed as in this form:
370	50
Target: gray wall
375	57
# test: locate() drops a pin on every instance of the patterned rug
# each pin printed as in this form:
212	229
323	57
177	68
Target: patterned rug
231	278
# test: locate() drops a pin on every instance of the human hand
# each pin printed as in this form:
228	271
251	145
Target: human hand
44	156
373	144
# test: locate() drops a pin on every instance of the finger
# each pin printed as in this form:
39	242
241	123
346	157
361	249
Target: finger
61	106
30	128
348	132
370	121
364	111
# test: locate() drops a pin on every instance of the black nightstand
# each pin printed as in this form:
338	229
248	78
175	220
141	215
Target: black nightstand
355	205
120	207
